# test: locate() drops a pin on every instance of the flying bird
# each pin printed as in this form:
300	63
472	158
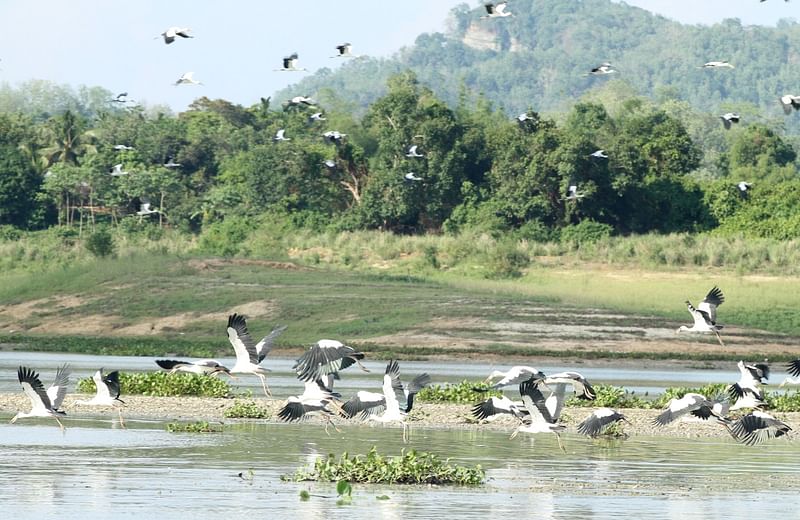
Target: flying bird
572	193
173	32
209	367
316	116
393	405
678	407
746	392
249	354
279	135
330	164
513	376
116	170
728	119
793	367
187	79
599	421
120	98
411	176
333	136
490	408
599	154
43	403
345	50
540	418
171	164
602	69
705	315
497	10
326	356
757	427
313	401
716	65
122	148
107	389
301	100
412	152
790	103
743	187
290	64
144	209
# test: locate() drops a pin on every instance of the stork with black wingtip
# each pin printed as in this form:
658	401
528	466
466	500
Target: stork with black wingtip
44	403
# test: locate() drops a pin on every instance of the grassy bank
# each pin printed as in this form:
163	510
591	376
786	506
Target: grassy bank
394	296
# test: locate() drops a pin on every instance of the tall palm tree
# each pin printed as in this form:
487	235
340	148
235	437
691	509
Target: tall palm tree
68	141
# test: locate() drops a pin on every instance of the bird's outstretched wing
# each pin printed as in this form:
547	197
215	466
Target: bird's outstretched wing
534	402
364	403
265	345
111	381
58	389
323	358
393	387
709	305
240	338
169	364
598	421
33	388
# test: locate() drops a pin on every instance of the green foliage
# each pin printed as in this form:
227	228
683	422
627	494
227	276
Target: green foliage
345	491
782	402
585	232
246	410
711	391
507	260
461	393
162	384
305	495
225	238
101	243
193	427
411	467
612	397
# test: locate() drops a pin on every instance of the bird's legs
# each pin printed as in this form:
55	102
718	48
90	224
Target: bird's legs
716	332
264	385
63	430
405	432
329	422
121	420
515	432
362	367
560	444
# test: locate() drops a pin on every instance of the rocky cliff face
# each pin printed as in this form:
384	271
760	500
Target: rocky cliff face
482	37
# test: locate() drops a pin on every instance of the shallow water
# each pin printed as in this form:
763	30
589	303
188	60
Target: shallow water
93	471
283	383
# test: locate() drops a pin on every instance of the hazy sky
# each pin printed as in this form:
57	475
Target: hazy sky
239	43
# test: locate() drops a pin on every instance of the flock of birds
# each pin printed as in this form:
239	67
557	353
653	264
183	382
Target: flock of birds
542	397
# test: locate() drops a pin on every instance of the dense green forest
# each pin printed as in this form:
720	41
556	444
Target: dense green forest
539	58
667	168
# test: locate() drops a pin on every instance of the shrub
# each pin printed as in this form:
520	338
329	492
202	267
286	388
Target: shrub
612	397
225	238
246	410
410	467
163	384
587	231
100	243
711	391
507	260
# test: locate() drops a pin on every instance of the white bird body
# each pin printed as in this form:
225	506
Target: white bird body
249	354
316	116
677	408
345	50
746	392
497	10
122	147
116	171
705	315
411	176
171	164
573	194
497	406
540	419
757	427
144	209
107	391
173	32
514	376
44	403
290	64
301	100
187	78
790	103
602	69
793	367
412	152
313	401
744	186
716	65
599	154
729	118
333	136
279	135
599	420
326	356
208	367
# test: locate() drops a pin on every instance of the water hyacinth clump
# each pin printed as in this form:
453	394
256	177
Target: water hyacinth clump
246	410
411	467
193	427
465	392
163	384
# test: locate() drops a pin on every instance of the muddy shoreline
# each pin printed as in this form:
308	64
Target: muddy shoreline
426	415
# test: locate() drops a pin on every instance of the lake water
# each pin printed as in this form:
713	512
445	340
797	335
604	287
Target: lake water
283	383
94	471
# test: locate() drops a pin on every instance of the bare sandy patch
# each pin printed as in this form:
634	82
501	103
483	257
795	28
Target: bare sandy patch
24	310
217	263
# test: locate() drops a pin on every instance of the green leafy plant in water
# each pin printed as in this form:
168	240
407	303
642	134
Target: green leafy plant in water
345	491
461	393
246	410
304	495
194	427
163	384
411	467
612	397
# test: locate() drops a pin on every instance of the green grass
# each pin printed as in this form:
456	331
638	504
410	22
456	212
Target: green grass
411	467
246	410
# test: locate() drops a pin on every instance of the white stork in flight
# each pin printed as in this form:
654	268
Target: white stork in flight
107	389
208	367
393	405
313	401
705	315
43	403
325	357
756	427
497	10
250	354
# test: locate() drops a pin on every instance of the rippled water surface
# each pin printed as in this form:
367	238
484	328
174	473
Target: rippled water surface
95	471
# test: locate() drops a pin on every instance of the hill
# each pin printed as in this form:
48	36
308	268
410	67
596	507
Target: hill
539	59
